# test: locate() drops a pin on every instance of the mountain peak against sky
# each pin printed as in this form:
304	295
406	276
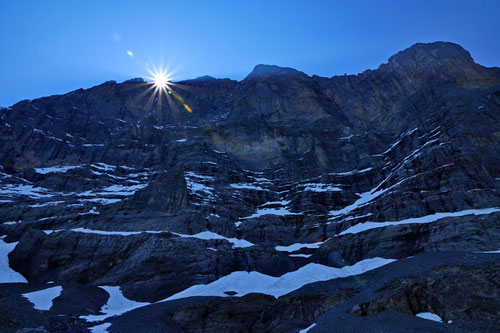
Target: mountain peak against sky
263	71
418	55
425	54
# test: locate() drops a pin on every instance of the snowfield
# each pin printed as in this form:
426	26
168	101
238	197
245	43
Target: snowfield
244	283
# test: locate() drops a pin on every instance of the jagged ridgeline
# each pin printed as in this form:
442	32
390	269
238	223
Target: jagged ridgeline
283	202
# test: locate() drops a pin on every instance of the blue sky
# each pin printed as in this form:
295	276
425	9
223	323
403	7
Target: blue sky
50	47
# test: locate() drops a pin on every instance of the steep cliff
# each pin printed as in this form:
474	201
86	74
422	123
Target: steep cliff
291	178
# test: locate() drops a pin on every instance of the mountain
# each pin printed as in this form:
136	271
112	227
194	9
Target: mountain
282	202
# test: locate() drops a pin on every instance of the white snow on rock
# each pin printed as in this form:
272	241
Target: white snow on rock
103	328
116	305
103	166
298	246
365	198
51	203
360	227
399	140
55	169
300	255
319	187
42	299
116	190
196	187
212	235
7	274
494	251
122	190
305	330
429	316
28	190
205	235
244	186
244	283
281	211
93	211
103	232
348	173
102	201
93	145
190	174
266	210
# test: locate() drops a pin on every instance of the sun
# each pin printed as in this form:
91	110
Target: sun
160	80
162	86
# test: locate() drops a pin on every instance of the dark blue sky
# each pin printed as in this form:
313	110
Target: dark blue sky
50	47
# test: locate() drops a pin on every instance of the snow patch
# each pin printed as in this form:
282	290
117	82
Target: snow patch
244	283
300	255
117	190
56	169
51	203
318	187
103	328
7	274
247	187
305	330
281	211
104	232
212	235
429	316
102	201
494	251
298	246
360	227
348	173
28	190
42	299
116	305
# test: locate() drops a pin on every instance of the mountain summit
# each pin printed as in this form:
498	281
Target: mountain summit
265	71
283	202
427	54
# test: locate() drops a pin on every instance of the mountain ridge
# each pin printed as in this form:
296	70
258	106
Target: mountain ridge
333	193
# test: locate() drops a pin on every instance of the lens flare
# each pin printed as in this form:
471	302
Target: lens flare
130	53
162	86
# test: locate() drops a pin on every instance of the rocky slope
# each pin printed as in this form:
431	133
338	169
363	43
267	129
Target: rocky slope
233	214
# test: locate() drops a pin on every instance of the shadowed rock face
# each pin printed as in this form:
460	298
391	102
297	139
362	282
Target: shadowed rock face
450	292
276	159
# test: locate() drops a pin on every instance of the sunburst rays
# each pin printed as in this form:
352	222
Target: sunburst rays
160	87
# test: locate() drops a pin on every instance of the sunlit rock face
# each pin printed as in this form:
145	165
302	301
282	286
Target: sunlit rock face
319	190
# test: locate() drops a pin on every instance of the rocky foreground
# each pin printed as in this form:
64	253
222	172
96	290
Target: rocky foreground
282	203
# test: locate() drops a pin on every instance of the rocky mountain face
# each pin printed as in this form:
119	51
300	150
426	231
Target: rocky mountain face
282	203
